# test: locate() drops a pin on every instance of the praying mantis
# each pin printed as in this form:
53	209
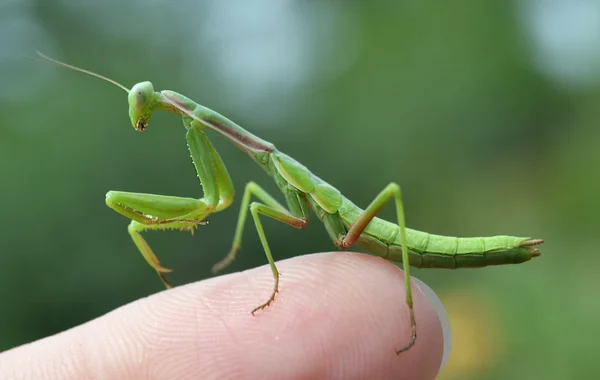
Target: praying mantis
346	223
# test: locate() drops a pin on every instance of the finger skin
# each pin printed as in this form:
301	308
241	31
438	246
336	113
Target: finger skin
337	315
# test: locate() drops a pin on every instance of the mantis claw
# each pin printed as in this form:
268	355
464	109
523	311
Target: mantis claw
413	336
264	305
271	299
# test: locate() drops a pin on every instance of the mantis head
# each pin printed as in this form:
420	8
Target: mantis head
142	100
141	97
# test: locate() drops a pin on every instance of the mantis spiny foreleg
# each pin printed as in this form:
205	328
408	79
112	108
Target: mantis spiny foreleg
159	212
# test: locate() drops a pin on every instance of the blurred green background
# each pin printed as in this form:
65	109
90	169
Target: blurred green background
487	114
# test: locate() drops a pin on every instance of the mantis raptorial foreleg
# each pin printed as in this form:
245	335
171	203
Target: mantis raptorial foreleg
134	230
160	212
272	209
391	191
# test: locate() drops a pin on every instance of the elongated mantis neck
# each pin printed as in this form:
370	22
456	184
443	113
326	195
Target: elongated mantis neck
245	140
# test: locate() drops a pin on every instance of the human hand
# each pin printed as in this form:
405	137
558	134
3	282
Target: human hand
338	315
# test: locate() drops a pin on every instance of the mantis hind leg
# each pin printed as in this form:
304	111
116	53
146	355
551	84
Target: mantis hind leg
391	191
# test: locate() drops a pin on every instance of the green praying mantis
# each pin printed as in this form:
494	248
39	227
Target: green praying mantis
346	223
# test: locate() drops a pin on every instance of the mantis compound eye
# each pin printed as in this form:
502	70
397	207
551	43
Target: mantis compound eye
140	99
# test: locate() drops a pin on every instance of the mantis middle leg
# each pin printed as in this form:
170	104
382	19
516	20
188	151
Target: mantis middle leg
297	218
160	212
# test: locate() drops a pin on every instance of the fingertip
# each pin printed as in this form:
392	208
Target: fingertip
338	315
437	305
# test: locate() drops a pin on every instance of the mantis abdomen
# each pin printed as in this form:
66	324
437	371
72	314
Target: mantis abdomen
426	250
448	260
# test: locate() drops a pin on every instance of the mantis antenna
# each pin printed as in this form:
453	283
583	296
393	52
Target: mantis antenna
83	71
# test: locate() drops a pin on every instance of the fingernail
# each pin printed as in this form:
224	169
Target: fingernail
437	305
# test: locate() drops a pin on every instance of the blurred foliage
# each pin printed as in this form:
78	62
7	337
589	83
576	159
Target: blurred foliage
486	113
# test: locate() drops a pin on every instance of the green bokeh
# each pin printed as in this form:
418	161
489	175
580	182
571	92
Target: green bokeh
454	102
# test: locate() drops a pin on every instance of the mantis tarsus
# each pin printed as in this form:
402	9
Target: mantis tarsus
345	222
